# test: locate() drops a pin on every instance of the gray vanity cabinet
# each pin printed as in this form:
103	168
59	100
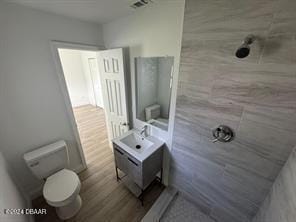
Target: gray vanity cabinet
141	173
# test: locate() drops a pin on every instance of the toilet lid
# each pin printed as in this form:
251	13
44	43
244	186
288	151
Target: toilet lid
61	185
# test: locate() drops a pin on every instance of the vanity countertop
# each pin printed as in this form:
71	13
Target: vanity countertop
140	154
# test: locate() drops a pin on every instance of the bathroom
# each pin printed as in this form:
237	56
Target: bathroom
249	177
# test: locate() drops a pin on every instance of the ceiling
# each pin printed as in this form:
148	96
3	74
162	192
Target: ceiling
97	11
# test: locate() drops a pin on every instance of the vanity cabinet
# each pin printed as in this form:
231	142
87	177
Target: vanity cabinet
141	173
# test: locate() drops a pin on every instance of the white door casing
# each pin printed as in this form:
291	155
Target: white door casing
113	81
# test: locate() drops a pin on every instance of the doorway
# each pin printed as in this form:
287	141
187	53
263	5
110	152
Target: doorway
82	78
93	83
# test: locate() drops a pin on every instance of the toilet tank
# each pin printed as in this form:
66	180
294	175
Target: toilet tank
48	160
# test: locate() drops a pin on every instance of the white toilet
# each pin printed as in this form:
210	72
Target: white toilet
62	186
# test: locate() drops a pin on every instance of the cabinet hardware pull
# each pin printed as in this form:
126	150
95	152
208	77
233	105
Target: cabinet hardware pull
118	151
132	161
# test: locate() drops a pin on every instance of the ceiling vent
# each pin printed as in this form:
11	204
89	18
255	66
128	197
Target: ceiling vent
140	3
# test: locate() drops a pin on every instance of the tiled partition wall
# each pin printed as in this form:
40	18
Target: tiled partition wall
280	204
255	96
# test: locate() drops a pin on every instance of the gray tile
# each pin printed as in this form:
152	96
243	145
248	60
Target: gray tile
195	90
203	115
284	21
180	180
208	173
197	80
218	52
280	203
200	200
196	163
233	154
280	49
273	143
272	86
247	184
225	20
224	213
183	182
272	117
222	197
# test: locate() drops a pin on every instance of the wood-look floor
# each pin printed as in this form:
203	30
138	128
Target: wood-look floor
104	199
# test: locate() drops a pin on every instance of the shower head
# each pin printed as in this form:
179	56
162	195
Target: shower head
244	50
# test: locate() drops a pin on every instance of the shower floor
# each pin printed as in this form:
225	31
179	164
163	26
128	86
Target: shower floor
181	210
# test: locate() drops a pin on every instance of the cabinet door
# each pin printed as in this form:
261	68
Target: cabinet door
120	159
134	170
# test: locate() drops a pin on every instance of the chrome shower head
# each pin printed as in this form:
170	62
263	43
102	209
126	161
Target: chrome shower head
244	50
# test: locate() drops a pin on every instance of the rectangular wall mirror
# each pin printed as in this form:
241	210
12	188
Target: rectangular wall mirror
154	77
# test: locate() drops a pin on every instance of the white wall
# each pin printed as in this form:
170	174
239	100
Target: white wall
10	195
155	30
33	112
75	76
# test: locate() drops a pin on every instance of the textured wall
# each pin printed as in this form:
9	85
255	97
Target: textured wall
280	204
255	96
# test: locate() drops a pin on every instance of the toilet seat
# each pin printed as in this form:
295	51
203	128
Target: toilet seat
61	188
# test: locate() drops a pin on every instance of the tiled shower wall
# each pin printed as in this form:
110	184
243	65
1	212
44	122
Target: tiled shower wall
255	96
280	204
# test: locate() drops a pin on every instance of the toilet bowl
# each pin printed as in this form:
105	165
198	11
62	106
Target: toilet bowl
61	190
62	186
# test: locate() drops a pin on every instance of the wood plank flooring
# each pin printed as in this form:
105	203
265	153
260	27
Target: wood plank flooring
104	199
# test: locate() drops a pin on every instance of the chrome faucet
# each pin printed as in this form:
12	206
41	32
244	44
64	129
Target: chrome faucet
144	131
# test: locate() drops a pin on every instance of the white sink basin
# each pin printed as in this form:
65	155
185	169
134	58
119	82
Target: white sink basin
136	142
136	145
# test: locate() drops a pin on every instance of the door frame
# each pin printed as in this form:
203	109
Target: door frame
55	45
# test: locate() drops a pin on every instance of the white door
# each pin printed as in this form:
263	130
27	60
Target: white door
96	81
113	81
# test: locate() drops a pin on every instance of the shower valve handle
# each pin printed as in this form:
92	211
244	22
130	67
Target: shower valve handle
215	140
222	133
